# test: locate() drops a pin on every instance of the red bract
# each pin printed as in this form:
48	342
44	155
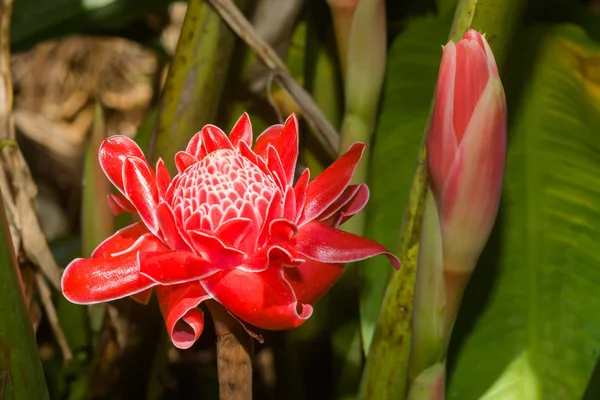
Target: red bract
229	226
466	148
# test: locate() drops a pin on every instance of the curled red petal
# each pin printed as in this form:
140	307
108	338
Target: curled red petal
275	167
194	146
323	243
233	231
183	160
263	299
112	154
163	178
274	211
95	280
125	239
282	230
289	204
139	183
270	136
353	200
300	192
168	227
329	186
172	266
214	138
313	279
287	147
118	204
242	131
215	251
178	305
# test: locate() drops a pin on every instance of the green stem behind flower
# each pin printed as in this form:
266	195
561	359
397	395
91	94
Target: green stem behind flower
196	80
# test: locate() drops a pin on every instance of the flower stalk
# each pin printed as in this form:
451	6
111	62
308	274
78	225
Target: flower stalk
235	350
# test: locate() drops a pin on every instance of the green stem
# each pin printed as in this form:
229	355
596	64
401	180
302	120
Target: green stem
21	374
196	80
427	346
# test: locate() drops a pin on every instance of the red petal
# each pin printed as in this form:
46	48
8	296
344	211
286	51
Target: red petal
112	154
214	251
269	136
289	204
194	146
178	305
284	255
95	280
214	138
329	186
140	187
275	167
287	147
168	227
242	131
118	204
282	230
263	299
300	192
354	199
172	266
183	160
274	211
313	279
124	239
143	297
163	178
330	245
233	231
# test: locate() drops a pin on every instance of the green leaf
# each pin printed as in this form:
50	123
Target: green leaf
517	382
21	374
413	63
536	287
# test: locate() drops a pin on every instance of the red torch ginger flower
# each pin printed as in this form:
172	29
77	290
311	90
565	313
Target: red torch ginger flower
466	148
230	226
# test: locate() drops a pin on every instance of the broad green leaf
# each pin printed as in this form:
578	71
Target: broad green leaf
518	381
535	289
413	63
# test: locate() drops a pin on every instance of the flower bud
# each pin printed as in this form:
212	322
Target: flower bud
466	149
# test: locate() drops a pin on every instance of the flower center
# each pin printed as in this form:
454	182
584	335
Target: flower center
221	186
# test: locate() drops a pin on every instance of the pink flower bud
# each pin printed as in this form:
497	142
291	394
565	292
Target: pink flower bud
466	147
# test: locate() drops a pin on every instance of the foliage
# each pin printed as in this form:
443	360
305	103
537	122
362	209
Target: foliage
529	324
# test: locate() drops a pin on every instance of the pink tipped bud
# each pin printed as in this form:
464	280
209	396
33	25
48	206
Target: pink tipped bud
466	147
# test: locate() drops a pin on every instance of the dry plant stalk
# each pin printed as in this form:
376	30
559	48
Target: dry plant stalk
17	185
235	348
327	135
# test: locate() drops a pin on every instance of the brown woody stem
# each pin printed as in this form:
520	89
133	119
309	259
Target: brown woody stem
234	355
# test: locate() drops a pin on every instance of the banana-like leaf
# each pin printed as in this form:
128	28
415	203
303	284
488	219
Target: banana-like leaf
535	289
